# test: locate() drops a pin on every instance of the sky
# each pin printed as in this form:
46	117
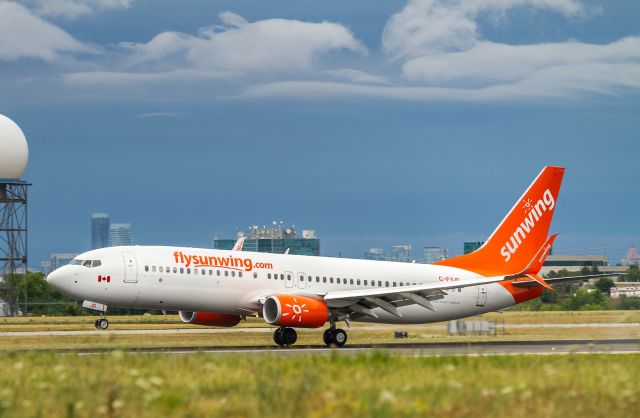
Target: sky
373	123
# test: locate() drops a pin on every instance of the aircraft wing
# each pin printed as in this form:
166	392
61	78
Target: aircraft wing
389	298
561	280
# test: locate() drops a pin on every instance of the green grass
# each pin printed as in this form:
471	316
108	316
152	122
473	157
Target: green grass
378	385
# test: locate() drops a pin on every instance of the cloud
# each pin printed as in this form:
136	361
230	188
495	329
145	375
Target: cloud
24	35
72	9
427	26
492	63
137	79
265	46
354	76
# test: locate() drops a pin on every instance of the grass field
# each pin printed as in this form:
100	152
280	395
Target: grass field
378	384
517	326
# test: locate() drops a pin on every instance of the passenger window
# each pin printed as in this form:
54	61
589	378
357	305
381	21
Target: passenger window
358	282
269	276
386	284
195	271
338	280
181	270
218	272
330	279
288	277
167	269
317	279
310	278
351	281
233	274
204	272
255	275
160	269
146	268
240	274
394	284
210	272
282	277
324	280
175	269
226	273
301	277
373	283
188	271
153	269
380	283
365	283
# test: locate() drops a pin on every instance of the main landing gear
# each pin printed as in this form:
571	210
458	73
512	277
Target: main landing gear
334	336
285	336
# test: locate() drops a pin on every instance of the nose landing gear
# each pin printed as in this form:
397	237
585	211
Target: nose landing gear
102	323
285	336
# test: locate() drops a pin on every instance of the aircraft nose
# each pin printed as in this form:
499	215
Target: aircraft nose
54	278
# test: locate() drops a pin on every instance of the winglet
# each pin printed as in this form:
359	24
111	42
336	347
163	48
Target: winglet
239	244
535	265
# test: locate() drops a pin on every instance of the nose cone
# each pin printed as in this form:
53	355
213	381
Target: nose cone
55	279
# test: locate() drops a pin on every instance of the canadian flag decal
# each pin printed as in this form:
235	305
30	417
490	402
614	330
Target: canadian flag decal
104	278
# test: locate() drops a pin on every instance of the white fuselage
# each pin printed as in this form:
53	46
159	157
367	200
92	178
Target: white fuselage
234	282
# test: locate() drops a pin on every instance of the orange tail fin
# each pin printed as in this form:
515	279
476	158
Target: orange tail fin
521	234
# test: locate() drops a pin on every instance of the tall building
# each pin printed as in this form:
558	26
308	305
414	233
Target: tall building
471	246
120	234
276	239
434	254
99	230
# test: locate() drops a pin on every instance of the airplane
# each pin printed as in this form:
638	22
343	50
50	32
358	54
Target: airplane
220	288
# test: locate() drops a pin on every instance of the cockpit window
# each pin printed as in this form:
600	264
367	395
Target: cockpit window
87	263
96	263
76	262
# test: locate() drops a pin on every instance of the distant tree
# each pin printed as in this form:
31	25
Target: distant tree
594	270
552	274
585	271
604	285
585	300
549	296
633	274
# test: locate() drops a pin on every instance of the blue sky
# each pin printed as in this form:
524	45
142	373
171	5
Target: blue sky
374	123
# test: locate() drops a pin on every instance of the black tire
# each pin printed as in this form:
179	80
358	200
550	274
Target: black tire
339	337
277	337
327	337
290	336
103	323
96	323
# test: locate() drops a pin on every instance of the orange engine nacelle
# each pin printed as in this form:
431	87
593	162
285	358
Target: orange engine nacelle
211	319
295	311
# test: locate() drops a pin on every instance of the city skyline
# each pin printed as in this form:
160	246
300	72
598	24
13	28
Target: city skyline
368	133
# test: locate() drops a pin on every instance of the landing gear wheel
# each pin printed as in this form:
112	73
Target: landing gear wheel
327	337
96	323
285	336
102	323
339	337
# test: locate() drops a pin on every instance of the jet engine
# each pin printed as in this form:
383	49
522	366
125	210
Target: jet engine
209	318
295	311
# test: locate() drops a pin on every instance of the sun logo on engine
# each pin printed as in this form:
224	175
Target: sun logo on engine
527	205
297	310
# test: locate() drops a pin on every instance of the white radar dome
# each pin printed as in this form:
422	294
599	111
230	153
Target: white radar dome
14	151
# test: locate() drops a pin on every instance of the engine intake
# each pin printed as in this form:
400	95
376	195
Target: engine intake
211	319
295	311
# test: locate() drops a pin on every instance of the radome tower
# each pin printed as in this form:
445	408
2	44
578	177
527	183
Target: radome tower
14	156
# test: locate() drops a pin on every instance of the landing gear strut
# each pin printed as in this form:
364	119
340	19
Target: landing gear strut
334	336
285	336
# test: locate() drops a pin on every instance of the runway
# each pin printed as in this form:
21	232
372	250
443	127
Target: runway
168	331
483	348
